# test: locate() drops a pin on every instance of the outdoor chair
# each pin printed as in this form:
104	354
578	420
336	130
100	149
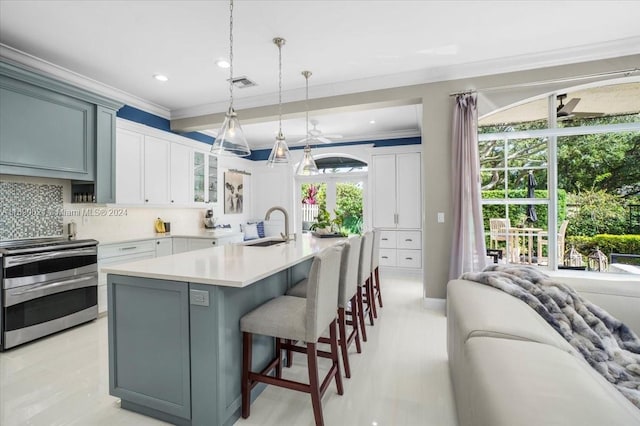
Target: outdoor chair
543	240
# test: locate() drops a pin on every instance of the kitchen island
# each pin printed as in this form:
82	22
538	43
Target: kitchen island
175	347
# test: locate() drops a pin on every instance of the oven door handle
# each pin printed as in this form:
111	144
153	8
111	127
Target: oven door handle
20	294
36	257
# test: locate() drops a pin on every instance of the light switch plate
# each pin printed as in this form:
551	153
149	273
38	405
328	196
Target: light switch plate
199	297
440	217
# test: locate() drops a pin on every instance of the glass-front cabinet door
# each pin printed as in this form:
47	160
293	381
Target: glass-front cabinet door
205	178
198	177
213	179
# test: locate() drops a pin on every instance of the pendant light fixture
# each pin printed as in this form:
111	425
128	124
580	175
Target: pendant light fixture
307	165
280	152
230	140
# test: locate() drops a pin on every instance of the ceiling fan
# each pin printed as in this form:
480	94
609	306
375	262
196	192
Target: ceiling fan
317	134
565	112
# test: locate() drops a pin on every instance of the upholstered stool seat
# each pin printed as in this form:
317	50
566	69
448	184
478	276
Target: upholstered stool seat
297	319
283	317
347	300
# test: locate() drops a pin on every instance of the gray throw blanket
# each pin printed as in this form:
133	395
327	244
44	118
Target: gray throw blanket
609	346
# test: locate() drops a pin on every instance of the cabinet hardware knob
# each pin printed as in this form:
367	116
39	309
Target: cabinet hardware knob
408	239
408	258
157	242
146	201
385	239
385	257
128	248
172	201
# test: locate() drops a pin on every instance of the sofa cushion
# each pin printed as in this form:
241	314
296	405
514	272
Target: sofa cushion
481	310
516	382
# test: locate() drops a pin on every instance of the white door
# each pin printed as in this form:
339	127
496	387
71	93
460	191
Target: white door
181	174
408	199
156	170
129	167
383	172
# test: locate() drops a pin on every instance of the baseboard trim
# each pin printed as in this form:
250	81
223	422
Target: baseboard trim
434	304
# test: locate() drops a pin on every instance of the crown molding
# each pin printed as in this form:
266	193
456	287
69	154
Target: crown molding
584	53
73	78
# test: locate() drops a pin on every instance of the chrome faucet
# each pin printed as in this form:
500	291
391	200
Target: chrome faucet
285	235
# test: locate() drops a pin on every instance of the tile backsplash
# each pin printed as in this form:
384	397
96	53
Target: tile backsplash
30	210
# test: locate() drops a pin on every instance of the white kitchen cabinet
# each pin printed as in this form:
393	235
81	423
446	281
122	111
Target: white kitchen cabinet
180	244
180	174
201	243
164	247
157	163
383	173
129	167
154	170
113	254
397	200
397	208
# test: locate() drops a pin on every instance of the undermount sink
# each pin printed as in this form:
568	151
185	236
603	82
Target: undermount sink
265	243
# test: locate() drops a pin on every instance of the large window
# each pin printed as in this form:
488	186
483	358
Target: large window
569	162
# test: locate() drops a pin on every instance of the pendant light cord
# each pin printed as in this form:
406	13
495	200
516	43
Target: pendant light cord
231	54
280	42
306	101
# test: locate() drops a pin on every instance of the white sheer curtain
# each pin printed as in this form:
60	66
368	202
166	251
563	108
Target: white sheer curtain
468	250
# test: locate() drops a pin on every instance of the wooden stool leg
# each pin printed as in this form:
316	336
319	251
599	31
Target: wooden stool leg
279	357
246	367
314	383
342	327
361	314
372	301
367	289
289	354
333	336
377	275
354	322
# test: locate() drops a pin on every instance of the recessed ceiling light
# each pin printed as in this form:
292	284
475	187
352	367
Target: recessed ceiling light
372	121
223	63
161	77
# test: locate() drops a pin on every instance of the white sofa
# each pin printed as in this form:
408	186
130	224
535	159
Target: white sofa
510	368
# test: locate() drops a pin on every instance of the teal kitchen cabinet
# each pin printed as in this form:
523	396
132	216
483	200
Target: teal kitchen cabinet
52	129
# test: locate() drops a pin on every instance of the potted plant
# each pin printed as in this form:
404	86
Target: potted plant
325	225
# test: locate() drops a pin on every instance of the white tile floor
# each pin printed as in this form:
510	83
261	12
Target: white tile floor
401	378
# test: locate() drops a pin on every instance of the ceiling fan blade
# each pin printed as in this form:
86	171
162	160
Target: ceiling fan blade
588	114
568	108
323	139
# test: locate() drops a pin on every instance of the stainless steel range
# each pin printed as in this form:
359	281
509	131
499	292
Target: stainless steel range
48	284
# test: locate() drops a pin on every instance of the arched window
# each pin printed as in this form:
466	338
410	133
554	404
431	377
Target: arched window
339	189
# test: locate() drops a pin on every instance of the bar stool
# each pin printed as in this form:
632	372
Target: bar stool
294	318
375	265
365	294
347	297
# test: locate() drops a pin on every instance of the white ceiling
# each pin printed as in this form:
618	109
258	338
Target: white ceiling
348	45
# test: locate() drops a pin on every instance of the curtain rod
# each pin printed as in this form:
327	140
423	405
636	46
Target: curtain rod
626	73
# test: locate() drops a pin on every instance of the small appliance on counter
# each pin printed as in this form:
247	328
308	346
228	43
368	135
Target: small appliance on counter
209	220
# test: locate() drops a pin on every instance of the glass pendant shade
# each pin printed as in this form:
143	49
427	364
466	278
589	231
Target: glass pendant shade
279	153
307	166
230	140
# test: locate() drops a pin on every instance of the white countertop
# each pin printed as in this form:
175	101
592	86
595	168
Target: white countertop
232	265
